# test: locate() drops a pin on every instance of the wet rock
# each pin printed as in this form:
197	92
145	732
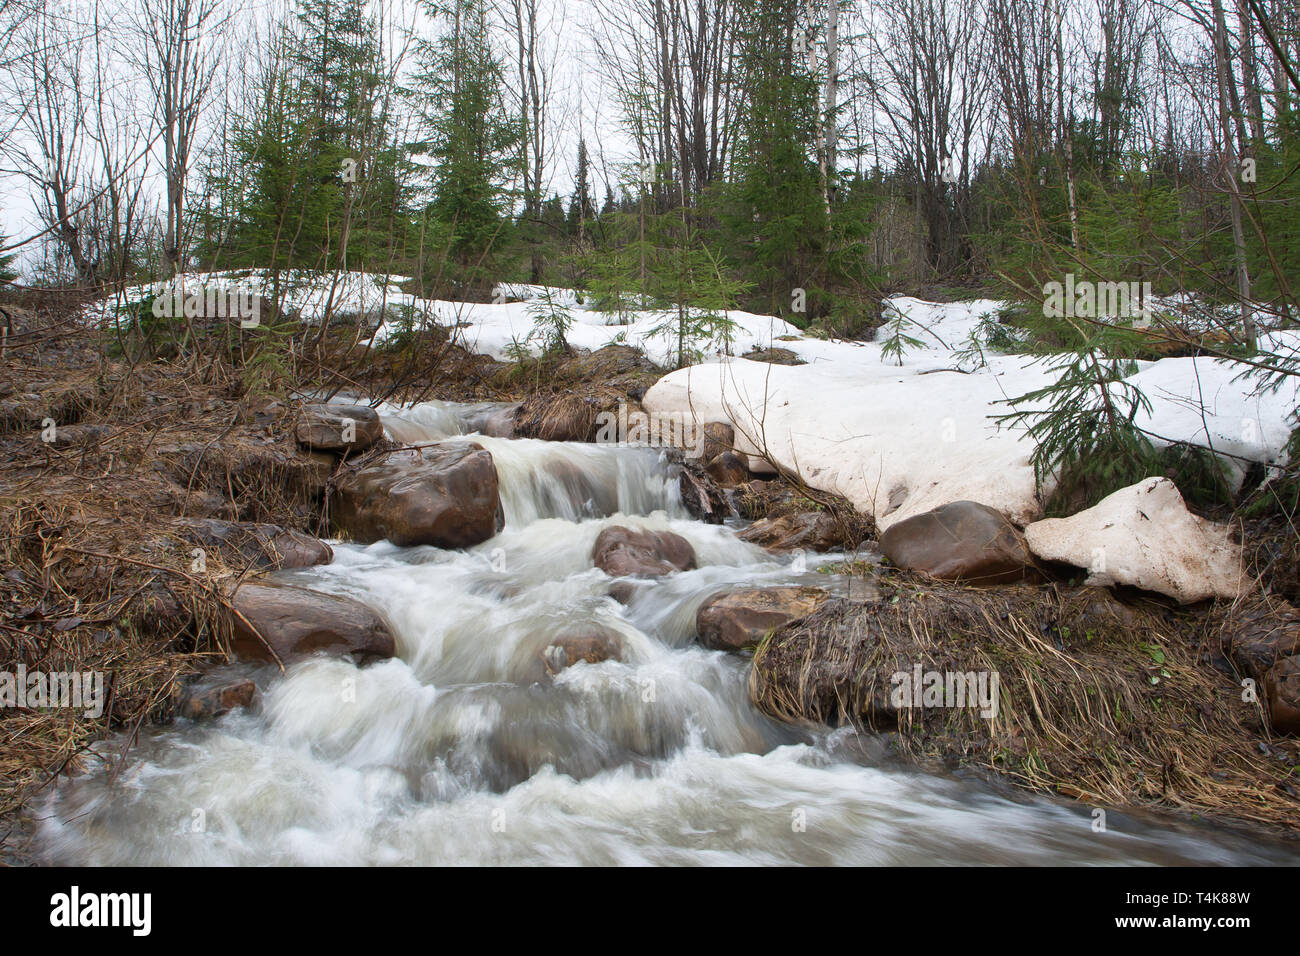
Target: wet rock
961	541
568	649
728	470
500	423
338	427
1282	689
624	552
444	495
297	621
209	701
1144	536
716	438
807	530
734	620
261	546
492	419
701	495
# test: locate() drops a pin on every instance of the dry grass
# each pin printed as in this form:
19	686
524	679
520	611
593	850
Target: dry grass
95	570
1116	705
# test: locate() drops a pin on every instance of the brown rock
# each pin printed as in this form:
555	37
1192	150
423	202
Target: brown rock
200	702
1282	689
728	470
734	620
623	552
568	649
501	423
963	541
494	420
329	427
807	530
718	437
444	495
297	621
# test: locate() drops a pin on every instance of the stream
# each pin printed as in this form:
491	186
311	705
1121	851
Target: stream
450	753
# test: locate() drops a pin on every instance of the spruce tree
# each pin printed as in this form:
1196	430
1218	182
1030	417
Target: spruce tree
471	139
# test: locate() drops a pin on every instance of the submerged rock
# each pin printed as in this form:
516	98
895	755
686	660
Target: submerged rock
495	422
593	647
734	620
962	541
1144	536
624	552
338	427
444	495
208	701
297	621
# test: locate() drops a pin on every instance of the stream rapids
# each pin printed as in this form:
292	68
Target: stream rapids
449	754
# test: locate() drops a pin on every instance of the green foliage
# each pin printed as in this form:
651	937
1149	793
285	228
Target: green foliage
773	211
7	262
312	181
1082	424
551	323
895	338
472	140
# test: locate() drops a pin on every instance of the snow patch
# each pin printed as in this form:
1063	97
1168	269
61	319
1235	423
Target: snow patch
1144	536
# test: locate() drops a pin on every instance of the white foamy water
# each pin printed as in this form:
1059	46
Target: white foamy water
453	753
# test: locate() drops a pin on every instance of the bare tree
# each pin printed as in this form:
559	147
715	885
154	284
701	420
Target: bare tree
52	141
179	61
932	92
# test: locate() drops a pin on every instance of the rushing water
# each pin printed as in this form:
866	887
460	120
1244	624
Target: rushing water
451	752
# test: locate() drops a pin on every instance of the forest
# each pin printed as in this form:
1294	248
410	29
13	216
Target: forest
649	432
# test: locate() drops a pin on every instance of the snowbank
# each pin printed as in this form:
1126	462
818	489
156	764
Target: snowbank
898	441
306	294
894	439
1144	536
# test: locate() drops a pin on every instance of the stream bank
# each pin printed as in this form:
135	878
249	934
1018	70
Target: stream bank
101	540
